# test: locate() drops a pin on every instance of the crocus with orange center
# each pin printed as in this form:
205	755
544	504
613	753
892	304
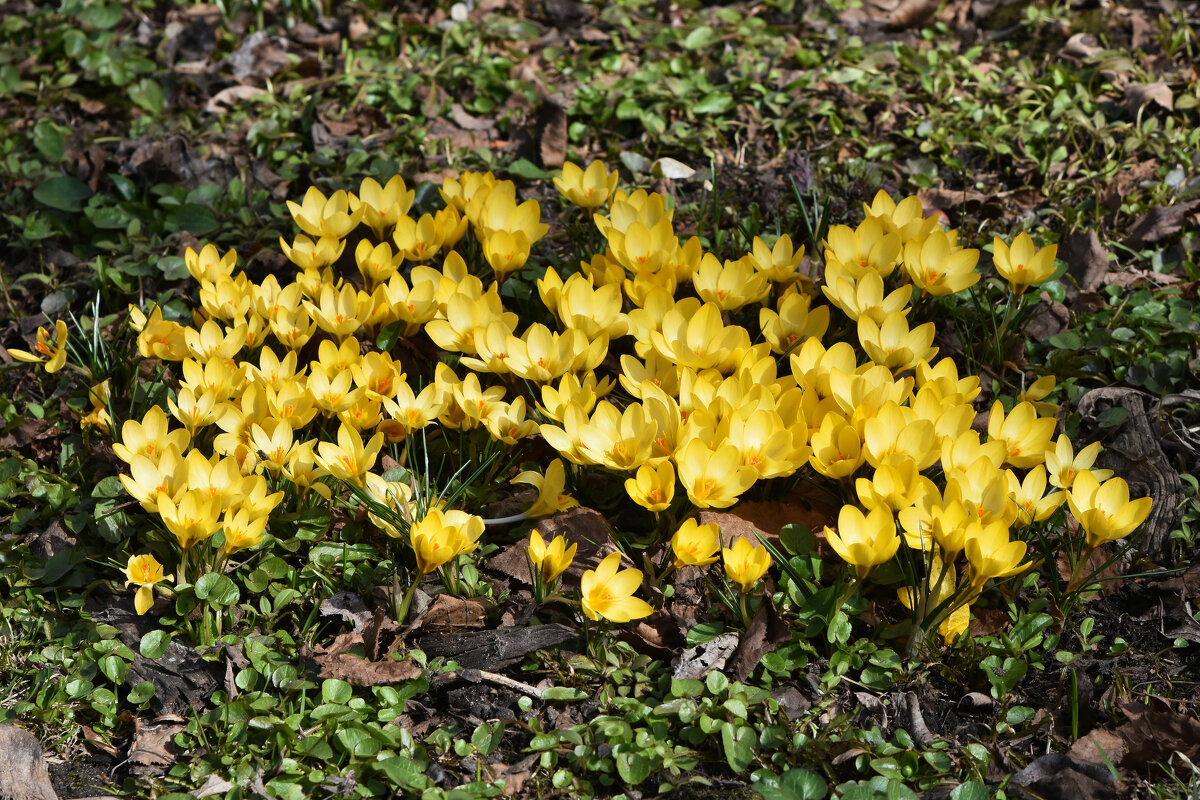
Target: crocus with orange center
550	560
654	487
745	563
608	593
1026	437
1104	510
441	536
696	545
551	497
145	571
587	188
864	541
51	353
1022	264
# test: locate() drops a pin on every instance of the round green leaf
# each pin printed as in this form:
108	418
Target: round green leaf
141	693
739	745
336	691
155	643
113	668
49	140
971	790
633	767
63	193
217	589
795	784
192	218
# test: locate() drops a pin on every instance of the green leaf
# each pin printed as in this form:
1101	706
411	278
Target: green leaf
795	784
217	589
565	693
1112	417
336	691
113	667
330	554
738	743
1067	340
155	643
192	218
63	193
714	103
700	37
101	15
524	168
704	632
357	742
141	693
173	268
388	337
971	790
633	767
49	140
686	687
487	737
797	539
148	95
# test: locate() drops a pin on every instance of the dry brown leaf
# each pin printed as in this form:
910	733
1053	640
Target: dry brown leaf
152	740
515	776
696	662
448	613
1154	734
1087	260
23	774
1160	223
1099	745
1057	775
767	630
359	671
467	122
230	98
910	14
1138	95
1081	45
552	137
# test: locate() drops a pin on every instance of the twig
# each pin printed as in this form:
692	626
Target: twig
478	675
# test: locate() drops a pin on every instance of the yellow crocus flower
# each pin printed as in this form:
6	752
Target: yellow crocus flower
145	571
587	188
696	545
320	216
938	267
745	563
349	459
1026	437
550	560
1104	510
193	519
441	536
1022	264
713	478
382	205
653	487
52	354
608	593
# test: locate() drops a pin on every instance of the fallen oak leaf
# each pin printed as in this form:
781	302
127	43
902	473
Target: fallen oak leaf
767	631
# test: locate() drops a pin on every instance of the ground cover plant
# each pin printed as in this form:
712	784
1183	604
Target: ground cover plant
601	399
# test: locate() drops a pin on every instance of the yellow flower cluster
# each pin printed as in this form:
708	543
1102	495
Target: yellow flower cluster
716	405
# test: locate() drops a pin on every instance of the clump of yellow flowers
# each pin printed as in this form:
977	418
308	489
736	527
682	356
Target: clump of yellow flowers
726	375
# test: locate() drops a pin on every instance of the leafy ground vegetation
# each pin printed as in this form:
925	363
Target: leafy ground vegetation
837	436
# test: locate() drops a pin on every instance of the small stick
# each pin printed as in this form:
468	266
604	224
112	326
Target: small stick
477	675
